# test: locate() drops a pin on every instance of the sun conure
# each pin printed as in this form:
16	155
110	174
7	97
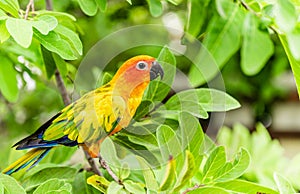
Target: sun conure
96	115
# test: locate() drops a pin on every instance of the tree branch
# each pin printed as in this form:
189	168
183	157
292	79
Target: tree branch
92	163
49	5
62	88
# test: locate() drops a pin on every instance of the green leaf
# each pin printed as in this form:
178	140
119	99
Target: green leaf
209	190
253	55
158	90
1	188
144	108
169	176
149	176
54	186
284	186
106	78
192	136
109	153
234	139
235	170
14	4
70	36
138	149
20	30
38	168
214	100
41	176
115	188
149	141
53	42
11	7
221	32
10	185
41	26
58	15
60	64
102	4
156	8
32	55
214	164
61	154
168	142
295	65
80	184
4	34
3	15
175	2
133	187
187	172
124	171
50	21
8	80
98	182
49	62
242	186
285	15
190	106
196	8
293	39
200	101
89	7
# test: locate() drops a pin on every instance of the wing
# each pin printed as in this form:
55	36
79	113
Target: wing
87	122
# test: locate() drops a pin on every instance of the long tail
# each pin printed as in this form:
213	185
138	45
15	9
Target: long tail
33	156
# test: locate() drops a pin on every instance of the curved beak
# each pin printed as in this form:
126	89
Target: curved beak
156	70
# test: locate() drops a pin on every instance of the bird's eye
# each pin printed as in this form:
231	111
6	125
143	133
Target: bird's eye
142	65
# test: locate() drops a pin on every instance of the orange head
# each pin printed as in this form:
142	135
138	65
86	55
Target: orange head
136	73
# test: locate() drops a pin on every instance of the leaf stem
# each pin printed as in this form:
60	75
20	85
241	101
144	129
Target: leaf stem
248	8
29	5
108	169
196	186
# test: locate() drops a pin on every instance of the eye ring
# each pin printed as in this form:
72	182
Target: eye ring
142	65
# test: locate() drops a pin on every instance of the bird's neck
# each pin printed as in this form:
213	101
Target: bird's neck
130	91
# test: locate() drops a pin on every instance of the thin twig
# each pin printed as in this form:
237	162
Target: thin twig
108	169
92	163
62	88
29	6
191	189
247	7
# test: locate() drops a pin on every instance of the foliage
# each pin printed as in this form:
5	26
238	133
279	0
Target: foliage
171	153
267	156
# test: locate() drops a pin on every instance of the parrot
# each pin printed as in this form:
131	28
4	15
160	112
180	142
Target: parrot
96	115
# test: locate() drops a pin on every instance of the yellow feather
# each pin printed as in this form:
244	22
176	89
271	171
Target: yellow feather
24	159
